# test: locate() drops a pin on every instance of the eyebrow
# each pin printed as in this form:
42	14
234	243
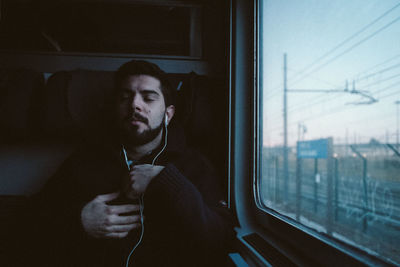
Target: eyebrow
149	91
144	91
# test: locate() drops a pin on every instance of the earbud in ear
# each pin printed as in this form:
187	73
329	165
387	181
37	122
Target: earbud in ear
166	119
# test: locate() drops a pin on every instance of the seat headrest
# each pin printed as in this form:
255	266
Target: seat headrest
77	101
201	110
20	91
74	99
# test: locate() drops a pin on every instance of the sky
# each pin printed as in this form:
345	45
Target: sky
328	43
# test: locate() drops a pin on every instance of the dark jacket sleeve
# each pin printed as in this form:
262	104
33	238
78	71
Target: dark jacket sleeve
189	197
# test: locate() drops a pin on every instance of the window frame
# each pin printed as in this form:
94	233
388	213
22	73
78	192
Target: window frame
195	42
293	242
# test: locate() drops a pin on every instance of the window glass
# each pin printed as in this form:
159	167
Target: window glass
330	153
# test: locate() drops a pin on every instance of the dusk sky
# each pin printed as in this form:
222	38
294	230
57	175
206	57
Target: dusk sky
327	43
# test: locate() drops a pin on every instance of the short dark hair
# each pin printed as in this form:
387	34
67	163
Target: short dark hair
142	67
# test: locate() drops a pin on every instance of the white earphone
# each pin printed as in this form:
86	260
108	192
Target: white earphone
141	200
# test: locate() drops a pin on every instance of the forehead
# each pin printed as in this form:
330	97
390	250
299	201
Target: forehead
141	83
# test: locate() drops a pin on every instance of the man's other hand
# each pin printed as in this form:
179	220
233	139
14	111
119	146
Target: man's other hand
139	178
101	220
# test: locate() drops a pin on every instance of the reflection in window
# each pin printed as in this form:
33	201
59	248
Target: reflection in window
330	153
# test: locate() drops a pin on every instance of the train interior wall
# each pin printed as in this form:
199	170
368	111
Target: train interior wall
46	98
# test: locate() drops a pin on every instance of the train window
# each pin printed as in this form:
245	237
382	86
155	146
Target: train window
329	120
110	27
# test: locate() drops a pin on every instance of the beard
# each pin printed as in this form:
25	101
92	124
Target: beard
132	137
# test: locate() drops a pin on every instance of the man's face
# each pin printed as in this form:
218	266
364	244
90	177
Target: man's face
140	109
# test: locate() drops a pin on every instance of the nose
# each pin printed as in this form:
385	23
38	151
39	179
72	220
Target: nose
137	103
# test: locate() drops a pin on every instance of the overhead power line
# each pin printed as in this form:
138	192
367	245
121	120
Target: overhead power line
273	92
392	94
316	79
378	72
389	87
348	49
317	101
377	65
383	80
274	117
340	108
350	38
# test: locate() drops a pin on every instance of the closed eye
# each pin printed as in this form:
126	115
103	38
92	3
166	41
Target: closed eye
148	99
150	96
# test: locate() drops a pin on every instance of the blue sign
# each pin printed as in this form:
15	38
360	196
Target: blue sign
315	149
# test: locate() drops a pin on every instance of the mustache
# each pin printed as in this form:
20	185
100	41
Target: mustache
139	117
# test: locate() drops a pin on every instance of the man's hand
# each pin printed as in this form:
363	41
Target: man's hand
139	178
104	221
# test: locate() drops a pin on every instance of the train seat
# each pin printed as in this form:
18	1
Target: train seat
24	160
42	123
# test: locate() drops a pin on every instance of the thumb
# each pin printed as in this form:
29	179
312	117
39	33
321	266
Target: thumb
108	197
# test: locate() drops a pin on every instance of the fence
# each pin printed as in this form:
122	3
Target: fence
364	188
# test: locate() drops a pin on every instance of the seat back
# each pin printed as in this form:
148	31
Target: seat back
42	124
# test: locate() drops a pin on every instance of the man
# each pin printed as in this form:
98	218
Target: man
139	197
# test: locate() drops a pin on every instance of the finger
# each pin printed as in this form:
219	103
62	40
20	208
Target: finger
121	220
122	234
140	167
119	209
107	197
122	228
116	235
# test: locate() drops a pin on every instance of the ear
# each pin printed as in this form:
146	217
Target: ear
170	111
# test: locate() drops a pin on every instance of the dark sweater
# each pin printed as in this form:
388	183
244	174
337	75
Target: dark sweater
185	223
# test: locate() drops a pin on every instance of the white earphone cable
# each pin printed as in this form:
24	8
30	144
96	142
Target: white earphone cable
141	202
141	199
165	145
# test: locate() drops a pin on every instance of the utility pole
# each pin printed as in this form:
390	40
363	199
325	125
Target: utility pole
346	90
387	137
397	122
285	144
347	142
299	131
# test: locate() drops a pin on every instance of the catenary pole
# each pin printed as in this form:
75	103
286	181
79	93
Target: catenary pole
285	134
